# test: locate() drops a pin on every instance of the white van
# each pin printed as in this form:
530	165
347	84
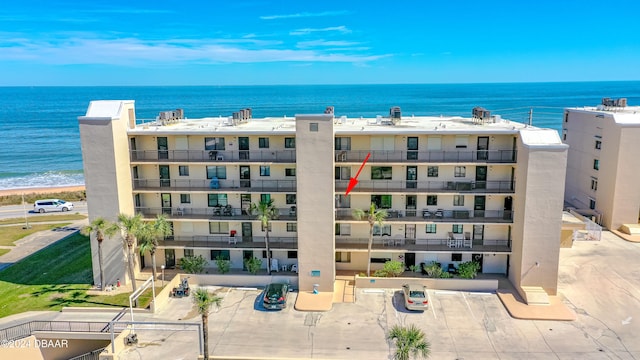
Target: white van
42	206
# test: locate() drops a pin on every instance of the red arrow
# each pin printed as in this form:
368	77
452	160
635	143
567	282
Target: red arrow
354	180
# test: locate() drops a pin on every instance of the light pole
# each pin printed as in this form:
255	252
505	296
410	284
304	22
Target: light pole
26	220
162	267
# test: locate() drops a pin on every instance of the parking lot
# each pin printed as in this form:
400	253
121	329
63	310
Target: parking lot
459	325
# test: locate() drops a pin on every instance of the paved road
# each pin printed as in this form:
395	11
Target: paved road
17	211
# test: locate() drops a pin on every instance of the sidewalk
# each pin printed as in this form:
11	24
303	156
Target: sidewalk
38	241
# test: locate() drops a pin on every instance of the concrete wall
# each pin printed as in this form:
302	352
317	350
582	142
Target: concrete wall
107	173
315	197
240	280
484	285
538	201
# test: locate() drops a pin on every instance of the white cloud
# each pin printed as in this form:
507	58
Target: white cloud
304	14
135	52
343	29
321	43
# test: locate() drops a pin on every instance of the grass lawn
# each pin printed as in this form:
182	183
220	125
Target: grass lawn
55	277
11	234
42	218
4	251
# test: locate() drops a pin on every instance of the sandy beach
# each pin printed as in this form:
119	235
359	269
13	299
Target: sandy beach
44	190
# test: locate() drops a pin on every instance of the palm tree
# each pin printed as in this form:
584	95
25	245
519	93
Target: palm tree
101	228
131	226
375	216
203	300
148	236
410	342
266	212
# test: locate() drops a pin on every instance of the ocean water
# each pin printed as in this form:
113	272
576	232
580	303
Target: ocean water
41	143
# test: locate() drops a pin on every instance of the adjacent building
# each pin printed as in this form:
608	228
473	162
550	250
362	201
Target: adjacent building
603	161
456	189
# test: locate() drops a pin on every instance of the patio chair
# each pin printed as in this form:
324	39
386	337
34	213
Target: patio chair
274	265
451	269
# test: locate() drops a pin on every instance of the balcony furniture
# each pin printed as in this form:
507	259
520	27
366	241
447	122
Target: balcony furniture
233	240
284	267
398	240
219	157
294	268
215	183
227	210
439	213
292	211
342	156
451	269
179	211
212	155
426	214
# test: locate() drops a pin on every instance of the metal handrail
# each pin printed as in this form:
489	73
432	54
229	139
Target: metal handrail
215	185
465	186
215	156
26	329
435	156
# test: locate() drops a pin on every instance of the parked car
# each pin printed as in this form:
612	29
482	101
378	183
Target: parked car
275	296
415	297
47	205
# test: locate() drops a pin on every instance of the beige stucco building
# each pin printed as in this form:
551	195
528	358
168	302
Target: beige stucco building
456	189
603	161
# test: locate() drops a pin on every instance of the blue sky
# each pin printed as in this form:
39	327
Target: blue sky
238	42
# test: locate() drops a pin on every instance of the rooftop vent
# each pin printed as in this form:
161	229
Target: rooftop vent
329	110
241	116
170	117
395	115
608	102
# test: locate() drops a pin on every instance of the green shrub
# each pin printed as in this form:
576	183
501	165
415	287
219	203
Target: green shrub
469	269
193	264
253	265
414	268
224	265
434	270
390	269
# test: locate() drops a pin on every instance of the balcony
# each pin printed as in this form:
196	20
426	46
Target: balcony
216	213
226	242
434	156
215	185
243	156
387	243
402	186
437	215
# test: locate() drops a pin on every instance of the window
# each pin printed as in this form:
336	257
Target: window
598	144
183	170
431	228
456	257
412	143
381	201
380	260
381	173
219	172
313	127
263	227
343	229
343	202
458	200
566	117
564	134
292	227
381	230
342	143
188	252
342	173
596	164
185	198
291	198
265	170
222	254
290	172
594	184
456	229
216	227
265	198
343	257
432	171
212	143
263	143
218	200
592	204
264	254
292	254
460	171
289	143
432	199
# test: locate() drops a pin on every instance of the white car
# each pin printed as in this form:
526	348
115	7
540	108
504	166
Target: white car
415	297
42	206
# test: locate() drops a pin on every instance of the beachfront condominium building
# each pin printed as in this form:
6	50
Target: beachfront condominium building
456	189
604	161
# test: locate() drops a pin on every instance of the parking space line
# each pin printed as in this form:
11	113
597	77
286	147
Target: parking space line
431	306
468	306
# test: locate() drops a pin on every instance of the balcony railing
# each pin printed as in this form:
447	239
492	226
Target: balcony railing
276	156
212	213
252	242
429	186
388	243
438	215
215	185
434	156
